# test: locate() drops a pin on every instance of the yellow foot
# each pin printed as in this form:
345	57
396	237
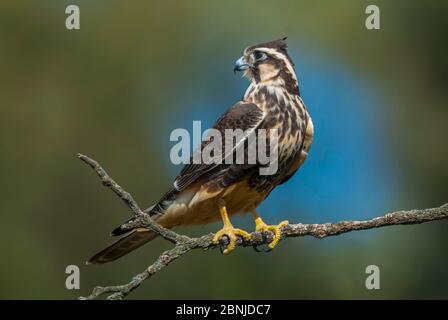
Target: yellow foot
260	226
232	233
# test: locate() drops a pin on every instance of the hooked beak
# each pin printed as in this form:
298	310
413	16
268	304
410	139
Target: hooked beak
240	65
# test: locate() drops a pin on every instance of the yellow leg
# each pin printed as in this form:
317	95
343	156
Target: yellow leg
260	226
229	231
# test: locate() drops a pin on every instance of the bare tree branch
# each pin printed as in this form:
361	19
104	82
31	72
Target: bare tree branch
184	244
143	219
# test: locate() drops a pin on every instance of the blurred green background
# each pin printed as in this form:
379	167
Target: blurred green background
136	70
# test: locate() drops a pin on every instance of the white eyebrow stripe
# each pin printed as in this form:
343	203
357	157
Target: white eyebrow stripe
281	56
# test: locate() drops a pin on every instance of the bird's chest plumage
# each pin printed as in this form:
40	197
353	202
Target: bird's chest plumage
287	114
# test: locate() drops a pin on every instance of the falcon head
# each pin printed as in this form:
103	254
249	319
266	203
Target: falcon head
267	62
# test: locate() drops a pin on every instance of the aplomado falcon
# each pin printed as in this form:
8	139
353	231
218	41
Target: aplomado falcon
203	193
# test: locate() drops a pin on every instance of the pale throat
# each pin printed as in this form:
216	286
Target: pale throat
268	72
270	75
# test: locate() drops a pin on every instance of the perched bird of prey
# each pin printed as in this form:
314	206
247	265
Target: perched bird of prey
203	193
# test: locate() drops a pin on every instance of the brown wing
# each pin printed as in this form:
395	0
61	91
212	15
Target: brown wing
244	116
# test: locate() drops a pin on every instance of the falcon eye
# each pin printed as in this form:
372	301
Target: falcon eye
259	55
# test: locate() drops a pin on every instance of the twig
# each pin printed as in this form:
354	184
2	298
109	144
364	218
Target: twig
142	218
184	244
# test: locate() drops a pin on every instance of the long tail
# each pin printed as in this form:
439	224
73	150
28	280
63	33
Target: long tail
127	243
